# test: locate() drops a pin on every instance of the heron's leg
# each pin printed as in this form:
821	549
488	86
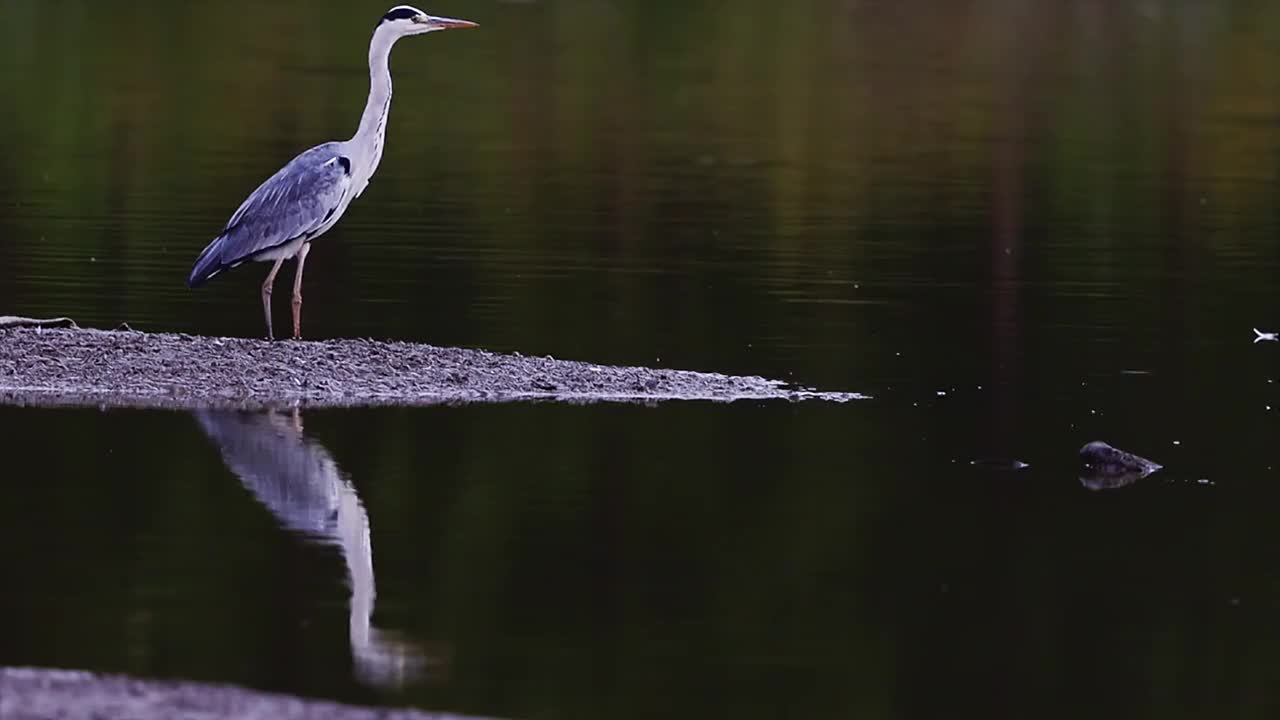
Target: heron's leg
266	295
297	292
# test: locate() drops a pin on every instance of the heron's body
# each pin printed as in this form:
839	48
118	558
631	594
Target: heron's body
292	208
306	197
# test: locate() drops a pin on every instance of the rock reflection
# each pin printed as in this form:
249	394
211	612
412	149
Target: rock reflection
1110	481
299	482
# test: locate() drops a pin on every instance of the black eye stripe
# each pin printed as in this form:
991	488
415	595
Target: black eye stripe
400	13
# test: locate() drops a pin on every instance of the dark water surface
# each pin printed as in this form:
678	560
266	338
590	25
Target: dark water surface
1020	225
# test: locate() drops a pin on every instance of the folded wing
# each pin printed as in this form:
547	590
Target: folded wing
298	203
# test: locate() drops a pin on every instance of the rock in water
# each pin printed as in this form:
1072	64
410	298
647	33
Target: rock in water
1108	468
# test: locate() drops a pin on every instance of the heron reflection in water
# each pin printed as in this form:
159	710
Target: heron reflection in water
299	482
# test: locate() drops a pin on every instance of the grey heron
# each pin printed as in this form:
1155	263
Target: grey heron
306	197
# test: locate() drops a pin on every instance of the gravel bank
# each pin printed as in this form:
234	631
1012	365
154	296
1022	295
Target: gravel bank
43	366
30	694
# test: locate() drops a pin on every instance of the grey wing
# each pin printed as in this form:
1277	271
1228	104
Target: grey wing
298	202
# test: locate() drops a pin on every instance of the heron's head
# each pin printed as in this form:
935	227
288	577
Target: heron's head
409	20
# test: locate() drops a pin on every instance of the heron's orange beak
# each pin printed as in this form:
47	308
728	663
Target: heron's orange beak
444	23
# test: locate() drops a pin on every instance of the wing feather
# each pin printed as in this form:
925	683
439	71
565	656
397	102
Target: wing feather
299	201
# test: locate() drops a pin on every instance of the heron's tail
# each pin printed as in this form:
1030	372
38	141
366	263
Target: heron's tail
207	265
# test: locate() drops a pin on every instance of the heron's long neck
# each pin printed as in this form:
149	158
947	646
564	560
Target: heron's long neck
373	123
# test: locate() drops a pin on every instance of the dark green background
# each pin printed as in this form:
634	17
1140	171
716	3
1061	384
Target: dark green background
1061	215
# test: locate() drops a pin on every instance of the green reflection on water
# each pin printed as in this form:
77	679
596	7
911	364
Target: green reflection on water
688	181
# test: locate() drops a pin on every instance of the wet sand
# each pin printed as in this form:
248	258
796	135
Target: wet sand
35	694
44	366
